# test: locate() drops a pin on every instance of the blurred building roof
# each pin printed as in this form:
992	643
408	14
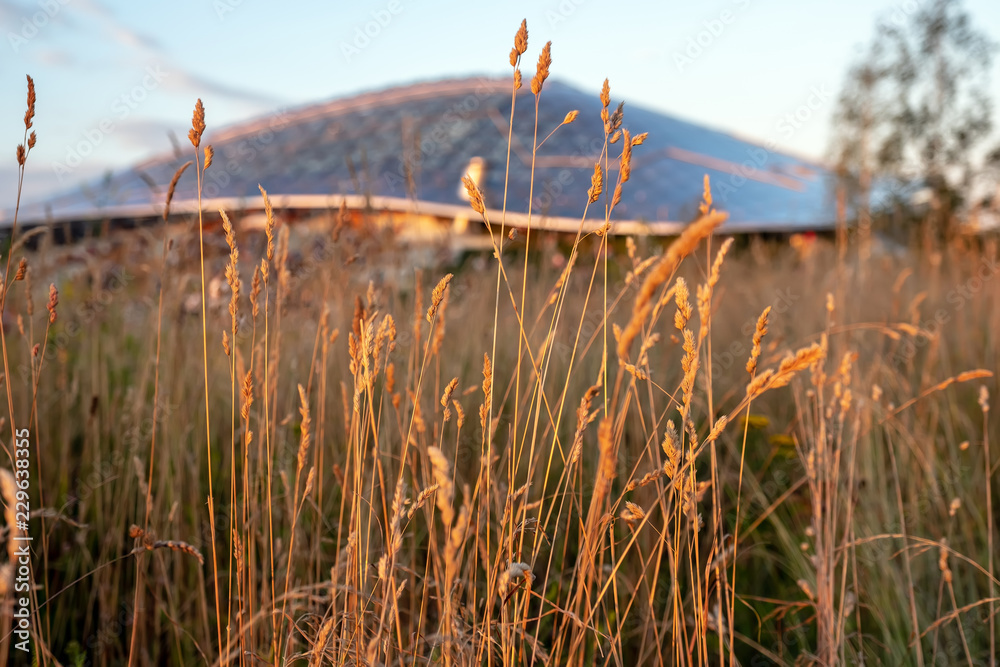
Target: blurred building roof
406	148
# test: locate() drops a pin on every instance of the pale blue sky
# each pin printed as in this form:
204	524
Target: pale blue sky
125	72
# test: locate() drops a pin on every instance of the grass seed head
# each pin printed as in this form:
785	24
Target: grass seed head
173	188
632	514
542	71
683	246
475	195
179	546
758	336
305	425
53	302
681	297
268	225
197	124
717	429
29	114
520	43
596	184
441	469
247	395
446	398
614	122
713	276
706	199
943	561
437	295
255	292
625	172
672	449
584	417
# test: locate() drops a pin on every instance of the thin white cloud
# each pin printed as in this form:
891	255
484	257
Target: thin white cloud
55	58
200	86
150	49
151	135
121	33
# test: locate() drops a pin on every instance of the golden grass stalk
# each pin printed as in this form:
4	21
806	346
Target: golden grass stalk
197	124
173	187
642	596
446	398
484	409
632	514
683	246
802	359
584	417
984	405
475	195
682	298
437	295
22	156
542	71
232	268
520	43
53	302
965	376
197	128
758	335
421	500
445	497
596	184
672	449
147	543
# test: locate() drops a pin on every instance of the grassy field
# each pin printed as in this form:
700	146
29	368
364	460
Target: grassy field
577	451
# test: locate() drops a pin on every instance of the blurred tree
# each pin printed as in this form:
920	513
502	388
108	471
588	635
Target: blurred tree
915	110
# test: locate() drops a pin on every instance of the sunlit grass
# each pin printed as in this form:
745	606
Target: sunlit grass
613	451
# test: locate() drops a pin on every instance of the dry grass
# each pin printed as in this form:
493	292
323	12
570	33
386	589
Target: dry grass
795	469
